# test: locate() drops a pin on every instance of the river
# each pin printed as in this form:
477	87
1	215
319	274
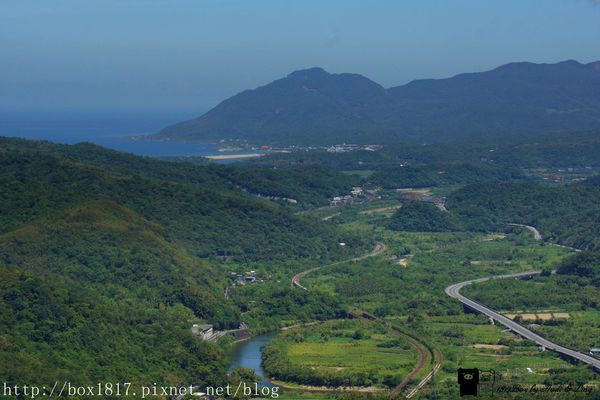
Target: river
247	354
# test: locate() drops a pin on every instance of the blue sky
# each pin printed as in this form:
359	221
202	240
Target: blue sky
188	54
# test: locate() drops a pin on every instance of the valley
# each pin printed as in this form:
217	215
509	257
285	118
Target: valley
202	200
351	295
468	255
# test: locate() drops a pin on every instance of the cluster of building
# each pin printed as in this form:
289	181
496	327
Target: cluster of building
346	148
563	179
245	278
206	332
563	175
357	195
232	145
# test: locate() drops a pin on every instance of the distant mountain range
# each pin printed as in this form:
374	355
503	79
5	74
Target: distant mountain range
313	106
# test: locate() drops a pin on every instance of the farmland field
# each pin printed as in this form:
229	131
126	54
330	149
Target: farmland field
405	286
338	353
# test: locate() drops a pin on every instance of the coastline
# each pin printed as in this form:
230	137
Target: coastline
233	156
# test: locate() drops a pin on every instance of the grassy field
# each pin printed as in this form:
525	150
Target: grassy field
470	340
366	212
350	352
346	353
583	328
406	286
536	302
386	286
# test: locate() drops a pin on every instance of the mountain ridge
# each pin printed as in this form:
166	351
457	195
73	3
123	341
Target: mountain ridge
313	106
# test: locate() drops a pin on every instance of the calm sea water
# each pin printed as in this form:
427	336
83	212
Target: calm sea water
112	130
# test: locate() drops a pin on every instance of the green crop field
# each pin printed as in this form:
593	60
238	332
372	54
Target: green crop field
405	285
345	353
471	341
341	353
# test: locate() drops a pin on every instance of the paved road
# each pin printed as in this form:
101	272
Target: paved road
454	291
379	248
538	236
536	233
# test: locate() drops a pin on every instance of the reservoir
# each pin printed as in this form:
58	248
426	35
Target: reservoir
247	354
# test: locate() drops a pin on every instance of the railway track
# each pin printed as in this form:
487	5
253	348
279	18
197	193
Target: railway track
415	342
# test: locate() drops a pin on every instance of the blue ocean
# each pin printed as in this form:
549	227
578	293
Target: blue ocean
118	131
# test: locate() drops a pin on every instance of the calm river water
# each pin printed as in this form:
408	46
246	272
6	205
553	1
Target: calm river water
247	354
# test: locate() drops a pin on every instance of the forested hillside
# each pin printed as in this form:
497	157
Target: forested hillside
585	265
212	218
309	186
98	290
416	216
441	174
567	214
98	245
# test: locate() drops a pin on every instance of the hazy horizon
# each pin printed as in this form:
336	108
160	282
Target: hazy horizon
179	55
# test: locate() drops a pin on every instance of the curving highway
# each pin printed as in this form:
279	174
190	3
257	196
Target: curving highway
536	234
454	291
379	248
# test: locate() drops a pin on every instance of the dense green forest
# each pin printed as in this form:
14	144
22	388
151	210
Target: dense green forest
106	259
441	175
100	292
207	218
416	216
564	214
567	214
585	265
309	186
267	306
